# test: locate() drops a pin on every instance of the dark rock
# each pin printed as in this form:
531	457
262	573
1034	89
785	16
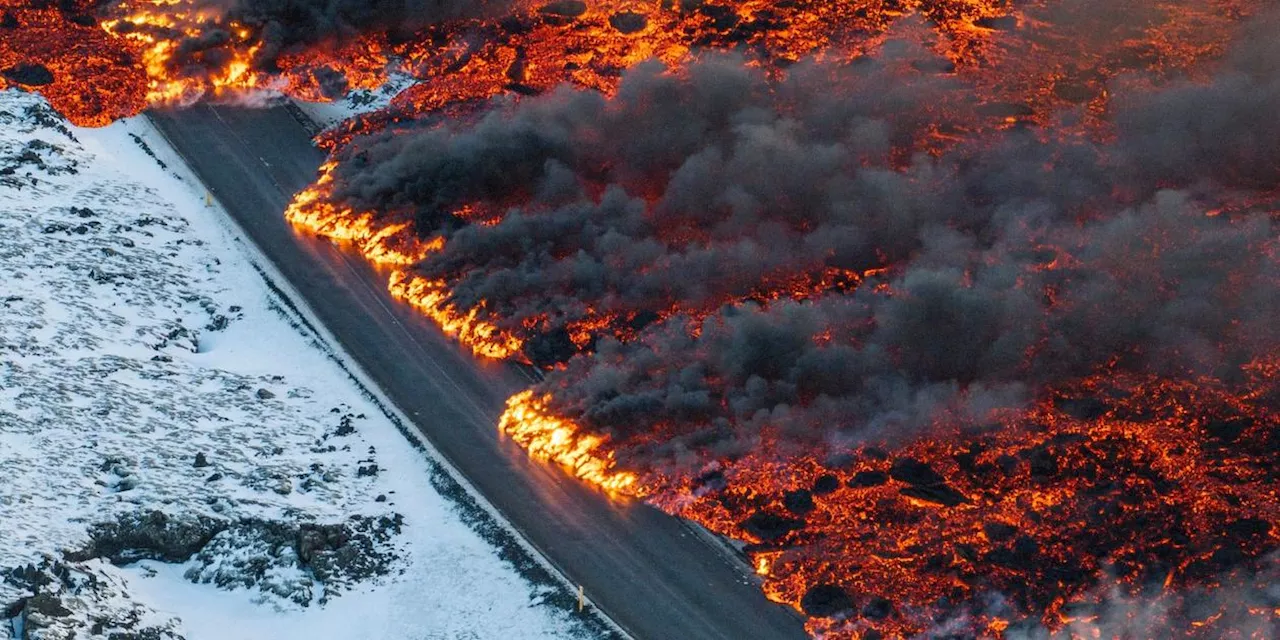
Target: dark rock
1227	429
1082	408
937	494
201	460
1008	464
877	609
367	471
1248	528
522	88
825	600
824	484
998	531
148	536
564	8
382	497
48	605
1001	23
628	22
8	21
875	453
711	481
345	427
264	394
214	477
1042	462
914	472
798	502
29	74
868	479
770	526
1025	548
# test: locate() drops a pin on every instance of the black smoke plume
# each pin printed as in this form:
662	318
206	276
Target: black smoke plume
1014	261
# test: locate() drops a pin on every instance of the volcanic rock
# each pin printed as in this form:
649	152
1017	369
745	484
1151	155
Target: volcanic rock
1042	461
937	494
824	484
148	536
877	609
8	21
1248	528
1001	23
825	600
564	8
999	531
628	22
201	460
868	479
914	472
713	480
29	74
798	502
1082	408
1227	429
770	526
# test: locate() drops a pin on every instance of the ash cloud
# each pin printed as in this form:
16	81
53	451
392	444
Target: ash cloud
1014	263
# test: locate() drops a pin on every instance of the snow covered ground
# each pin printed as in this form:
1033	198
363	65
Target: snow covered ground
180	456
328	114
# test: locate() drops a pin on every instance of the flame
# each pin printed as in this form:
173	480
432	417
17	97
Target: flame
432	298
547	437
385	245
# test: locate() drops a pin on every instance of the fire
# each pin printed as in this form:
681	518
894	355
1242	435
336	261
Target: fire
388	245
547	437
432	298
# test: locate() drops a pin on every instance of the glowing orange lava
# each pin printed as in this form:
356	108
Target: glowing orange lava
547	437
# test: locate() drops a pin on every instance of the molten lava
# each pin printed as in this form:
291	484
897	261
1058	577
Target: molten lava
547	437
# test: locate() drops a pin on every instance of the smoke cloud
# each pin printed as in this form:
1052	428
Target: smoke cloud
692	198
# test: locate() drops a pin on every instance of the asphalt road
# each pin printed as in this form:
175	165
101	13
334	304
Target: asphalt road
644	569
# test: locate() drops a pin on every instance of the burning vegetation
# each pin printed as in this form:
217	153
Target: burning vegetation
961	314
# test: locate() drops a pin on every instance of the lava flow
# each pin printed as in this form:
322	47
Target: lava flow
960	314
948	362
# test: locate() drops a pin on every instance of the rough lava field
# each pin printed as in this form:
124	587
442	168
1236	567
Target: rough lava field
181	456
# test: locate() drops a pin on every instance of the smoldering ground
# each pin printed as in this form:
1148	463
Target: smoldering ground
1015	260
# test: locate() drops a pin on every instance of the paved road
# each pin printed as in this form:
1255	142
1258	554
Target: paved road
644	569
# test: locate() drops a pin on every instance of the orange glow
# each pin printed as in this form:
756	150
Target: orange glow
432	298
547	437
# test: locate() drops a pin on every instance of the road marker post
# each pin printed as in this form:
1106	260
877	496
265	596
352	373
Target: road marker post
208	199
582	600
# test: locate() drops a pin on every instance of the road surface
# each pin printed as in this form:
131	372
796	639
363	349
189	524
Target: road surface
644	569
